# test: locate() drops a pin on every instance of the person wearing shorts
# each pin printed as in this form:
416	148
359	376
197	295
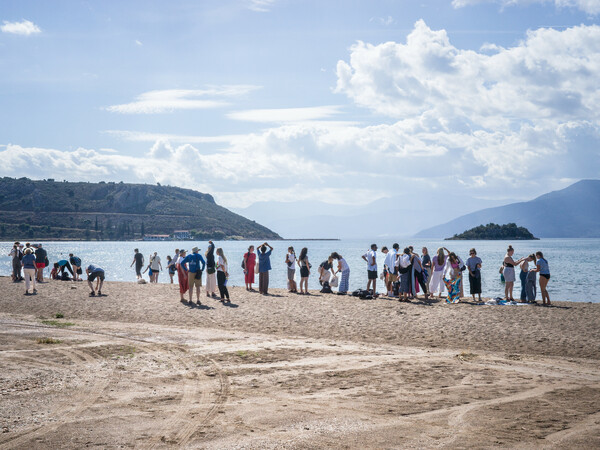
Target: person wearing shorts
196	265
95	273
371	258
40	262
76	263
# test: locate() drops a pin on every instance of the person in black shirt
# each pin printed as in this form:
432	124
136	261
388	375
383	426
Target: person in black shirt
138	260
325	270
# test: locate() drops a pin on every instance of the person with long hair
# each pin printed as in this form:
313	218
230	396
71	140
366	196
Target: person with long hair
403	264
304	270
530	281
426	260
453	276
211	277
264	266
543	269
171	269
249	263
344	268
509	272
290	262
436	283
182	276
222	275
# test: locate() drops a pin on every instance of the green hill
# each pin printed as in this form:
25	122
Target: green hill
492	231
48	209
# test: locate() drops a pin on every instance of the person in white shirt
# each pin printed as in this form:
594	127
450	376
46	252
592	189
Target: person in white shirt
222	275
391	268
155	266
371	258
290	262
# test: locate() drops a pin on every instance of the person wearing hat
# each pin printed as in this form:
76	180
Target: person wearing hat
29	270
196	265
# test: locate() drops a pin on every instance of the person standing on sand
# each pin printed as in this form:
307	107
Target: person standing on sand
304	270
530	281
453	276
509	272
182	275
248	266
403	264
195	267
138	260
29	270
155	266
17	255
371	258
474	266
543	269
95	273
426	260
40	262
222	275
171	267
417	274
436	283
344	268
290	262
264	265
211	268
390	265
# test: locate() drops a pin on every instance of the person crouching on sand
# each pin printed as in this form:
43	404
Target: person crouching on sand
95	273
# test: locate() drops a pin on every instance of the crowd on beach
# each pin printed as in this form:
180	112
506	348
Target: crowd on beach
405	273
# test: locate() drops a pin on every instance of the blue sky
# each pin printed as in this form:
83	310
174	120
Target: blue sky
345	102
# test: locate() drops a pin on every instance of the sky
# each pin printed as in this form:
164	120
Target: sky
342	102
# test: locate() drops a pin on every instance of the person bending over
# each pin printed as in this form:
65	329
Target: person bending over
95	273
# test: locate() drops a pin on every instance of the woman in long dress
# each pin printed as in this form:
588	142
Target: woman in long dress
453	277
182	276
249	263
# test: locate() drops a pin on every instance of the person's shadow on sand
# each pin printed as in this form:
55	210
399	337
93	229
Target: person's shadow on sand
196	306
230	305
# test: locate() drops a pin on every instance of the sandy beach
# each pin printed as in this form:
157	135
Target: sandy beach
137	368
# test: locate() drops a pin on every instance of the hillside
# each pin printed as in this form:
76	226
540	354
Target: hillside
573	212
118	211
494	232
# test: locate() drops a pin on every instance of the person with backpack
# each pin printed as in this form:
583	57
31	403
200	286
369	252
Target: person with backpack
76	264
371	258
248	264
195	267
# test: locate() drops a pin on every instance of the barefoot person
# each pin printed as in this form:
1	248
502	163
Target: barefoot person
304	270
138	260
543	269
389	265
195	267
95	273
290	262
264	265
155	266
40	262
248	266
371	258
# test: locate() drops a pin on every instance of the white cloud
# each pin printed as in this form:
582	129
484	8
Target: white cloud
138	43
141	136
386	21
260	5
591	7
505	114
283	115
25	27
170	100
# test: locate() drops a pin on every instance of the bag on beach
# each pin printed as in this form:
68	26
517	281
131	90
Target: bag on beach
334	281
326	289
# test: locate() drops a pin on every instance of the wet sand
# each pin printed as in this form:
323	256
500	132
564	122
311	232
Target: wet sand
137	368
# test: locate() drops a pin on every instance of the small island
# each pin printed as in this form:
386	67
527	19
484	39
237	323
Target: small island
495	232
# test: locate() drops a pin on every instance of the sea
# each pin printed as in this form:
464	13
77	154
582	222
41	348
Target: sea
573	263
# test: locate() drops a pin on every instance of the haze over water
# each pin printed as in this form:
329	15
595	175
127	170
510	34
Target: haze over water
573	262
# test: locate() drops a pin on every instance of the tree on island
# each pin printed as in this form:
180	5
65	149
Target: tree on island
493	231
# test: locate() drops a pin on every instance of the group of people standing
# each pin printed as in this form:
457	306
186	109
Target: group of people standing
527	275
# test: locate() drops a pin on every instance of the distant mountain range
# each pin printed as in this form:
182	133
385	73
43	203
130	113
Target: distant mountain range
573	212
48	209
392	217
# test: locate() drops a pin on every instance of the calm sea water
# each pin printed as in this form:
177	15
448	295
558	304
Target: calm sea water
573	262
